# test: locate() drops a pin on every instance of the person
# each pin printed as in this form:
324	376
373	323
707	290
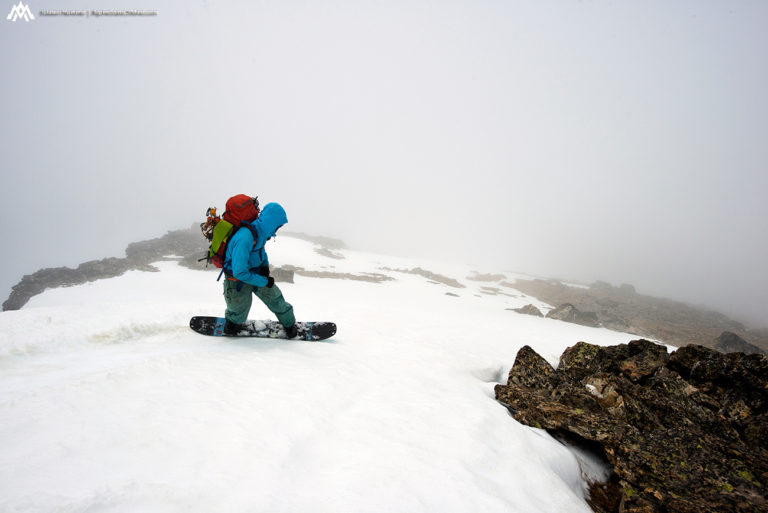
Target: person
246	267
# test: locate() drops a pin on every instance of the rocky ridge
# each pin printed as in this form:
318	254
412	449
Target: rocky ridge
623	309
39	281
189	245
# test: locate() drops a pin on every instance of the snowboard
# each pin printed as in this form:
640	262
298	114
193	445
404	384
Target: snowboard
312	331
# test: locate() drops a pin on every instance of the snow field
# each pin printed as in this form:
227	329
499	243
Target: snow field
108	402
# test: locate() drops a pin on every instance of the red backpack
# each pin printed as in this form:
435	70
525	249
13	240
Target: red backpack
241	208
218	230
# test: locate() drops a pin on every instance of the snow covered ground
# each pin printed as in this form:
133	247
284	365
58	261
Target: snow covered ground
110	403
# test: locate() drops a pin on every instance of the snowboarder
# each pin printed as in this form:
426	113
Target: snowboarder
246	268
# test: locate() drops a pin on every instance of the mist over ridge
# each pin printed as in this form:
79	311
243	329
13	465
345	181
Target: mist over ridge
587	142
599	304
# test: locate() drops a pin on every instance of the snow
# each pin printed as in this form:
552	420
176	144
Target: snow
109	402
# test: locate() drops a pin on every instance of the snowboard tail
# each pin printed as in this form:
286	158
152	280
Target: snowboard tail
311	331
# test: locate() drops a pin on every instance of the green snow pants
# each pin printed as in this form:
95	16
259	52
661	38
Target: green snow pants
239	302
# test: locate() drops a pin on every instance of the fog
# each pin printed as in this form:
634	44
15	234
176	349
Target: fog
620	141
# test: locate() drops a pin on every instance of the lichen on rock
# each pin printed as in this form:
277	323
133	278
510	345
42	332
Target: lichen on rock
684	432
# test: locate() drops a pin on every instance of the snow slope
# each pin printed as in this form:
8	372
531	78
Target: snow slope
109	403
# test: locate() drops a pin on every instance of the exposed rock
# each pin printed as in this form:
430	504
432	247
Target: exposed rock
323	251
188	244
614	323
369	277
729	342
281	274
529	310
485	277
52	277
683	433
623	309
429	275
178	242
601	285
569	313
626	288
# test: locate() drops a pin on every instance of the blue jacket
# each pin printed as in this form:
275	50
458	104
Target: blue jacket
245	250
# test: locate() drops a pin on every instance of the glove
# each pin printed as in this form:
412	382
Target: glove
270	282
262	270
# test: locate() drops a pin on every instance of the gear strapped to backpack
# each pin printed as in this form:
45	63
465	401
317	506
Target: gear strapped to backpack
218	230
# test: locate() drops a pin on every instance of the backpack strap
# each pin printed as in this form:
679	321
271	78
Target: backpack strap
253	230
226	270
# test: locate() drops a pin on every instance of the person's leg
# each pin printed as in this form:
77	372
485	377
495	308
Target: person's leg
274	300
238	301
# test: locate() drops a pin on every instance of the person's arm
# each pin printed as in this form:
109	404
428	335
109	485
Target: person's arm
241	244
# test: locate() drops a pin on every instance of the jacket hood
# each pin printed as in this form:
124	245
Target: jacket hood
271	218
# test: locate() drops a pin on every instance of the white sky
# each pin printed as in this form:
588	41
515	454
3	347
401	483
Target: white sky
622	141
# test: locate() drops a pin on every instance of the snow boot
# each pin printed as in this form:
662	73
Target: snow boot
291	332
230	328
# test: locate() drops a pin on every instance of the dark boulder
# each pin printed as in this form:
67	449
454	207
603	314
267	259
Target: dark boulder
683	433
529	310
626	288
569	313
613	322
729	342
